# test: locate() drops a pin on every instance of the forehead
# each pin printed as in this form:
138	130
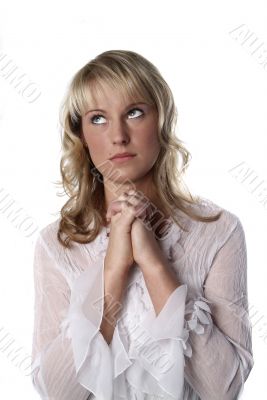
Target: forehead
105	96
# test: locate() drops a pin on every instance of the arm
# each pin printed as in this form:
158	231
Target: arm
222	356
53	371
154	360
114	287
68	350
159	293
219	357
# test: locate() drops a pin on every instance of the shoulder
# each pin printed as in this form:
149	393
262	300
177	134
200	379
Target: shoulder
47	238
215	233
49	229
208	207
74	259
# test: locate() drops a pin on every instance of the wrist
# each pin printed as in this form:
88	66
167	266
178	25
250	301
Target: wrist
158	263
117	271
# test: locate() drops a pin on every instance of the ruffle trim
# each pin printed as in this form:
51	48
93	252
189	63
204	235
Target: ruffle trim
199	310
82	324
154	362
200	316
161	335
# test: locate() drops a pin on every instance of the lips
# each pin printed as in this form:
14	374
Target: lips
123	155
115	158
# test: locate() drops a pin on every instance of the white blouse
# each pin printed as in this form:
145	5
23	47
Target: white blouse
198	347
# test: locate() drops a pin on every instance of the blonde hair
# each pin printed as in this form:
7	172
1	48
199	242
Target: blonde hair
83	215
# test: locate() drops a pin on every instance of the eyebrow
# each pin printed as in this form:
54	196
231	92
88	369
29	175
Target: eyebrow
129	105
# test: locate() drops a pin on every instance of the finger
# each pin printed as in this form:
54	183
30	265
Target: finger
136	193
123	207
114	208
124	196
141	203
125	200
138	205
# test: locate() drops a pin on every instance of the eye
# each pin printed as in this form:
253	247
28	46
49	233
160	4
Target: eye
134	109
96	116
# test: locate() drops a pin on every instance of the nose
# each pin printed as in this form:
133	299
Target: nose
118	132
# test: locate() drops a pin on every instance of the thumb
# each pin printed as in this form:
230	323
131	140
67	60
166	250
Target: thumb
114	207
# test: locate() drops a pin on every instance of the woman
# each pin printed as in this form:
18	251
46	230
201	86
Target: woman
140	288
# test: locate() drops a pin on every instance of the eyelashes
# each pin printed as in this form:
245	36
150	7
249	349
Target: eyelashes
92	119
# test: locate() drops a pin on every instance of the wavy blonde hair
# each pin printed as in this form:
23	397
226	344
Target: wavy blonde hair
83	215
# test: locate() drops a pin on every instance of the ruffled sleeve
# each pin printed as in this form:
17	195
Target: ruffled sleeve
150	353
71	358
158	349
158	345
92	356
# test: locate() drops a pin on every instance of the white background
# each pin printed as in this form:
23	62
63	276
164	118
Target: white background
220	91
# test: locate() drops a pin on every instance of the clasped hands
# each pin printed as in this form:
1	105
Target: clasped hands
145	248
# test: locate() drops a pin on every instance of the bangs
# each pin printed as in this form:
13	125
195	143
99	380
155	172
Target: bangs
86	88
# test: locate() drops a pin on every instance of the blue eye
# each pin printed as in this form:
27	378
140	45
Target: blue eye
96	116
99	116
134	109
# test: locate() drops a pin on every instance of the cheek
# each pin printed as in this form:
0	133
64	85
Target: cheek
150	132
94	143
95	148
148	139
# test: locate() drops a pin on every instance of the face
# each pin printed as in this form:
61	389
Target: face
112	126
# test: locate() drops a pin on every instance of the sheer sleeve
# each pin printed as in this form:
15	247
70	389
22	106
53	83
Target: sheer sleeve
211	348
222	355
67	345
